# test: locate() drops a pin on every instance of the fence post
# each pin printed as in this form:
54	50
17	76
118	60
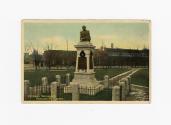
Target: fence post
126	82
35	91
39	90
26	88
67	78
116	93
106	81
54	90
44	81
127	85
129	82
58	79
122	86
31	91
44	84
75	92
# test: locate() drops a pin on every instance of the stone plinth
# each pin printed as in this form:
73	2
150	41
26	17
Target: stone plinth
123	94
44	81
84	60
84	78
75	92
84	75
54	90
84	71
116	93
26	88
106	81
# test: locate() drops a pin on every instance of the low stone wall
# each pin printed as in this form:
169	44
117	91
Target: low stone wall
110	82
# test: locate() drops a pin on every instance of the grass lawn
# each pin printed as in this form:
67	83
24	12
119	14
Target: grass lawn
35	76
141	77
100	73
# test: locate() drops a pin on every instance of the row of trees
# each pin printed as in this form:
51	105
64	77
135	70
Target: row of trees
38	59
58	58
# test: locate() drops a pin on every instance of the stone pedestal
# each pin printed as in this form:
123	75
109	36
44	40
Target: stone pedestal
26	88
122	89
54	90
106	81
44	81
116	93
67	78
84	79
129	82
125	80
75	92
44	84
84	74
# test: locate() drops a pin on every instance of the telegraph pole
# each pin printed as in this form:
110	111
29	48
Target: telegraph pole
67	55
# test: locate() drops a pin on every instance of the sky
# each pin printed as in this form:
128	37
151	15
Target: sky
128	34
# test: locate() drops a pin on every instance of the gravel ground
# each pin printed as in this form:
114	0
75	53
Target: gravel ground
138	94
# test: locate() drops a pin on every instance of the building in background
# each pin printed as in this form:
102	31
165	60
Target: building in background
102	57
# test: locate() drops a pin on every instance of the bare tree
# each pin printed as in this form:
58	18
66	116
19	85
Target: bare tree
36	58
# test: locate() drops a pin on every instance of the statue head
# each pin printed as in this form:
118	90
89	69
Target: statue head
84	27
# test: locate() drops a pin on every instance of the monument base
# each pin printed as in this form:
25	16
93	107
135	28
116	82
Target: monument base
85	89
84	78
87	83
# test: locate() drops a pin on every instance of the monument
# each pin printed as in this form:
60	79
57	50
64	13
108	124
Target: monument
84	35
84	74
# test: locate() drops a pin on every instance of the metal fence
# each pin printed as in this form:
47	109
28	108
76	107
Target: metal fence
43	93
38	92
103	95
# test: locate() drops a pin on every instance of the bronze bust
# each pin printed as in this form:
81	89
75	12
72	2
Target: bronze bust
84	35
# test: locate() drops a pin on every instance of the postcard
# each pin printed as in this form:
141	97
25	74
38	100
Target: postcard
85	61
